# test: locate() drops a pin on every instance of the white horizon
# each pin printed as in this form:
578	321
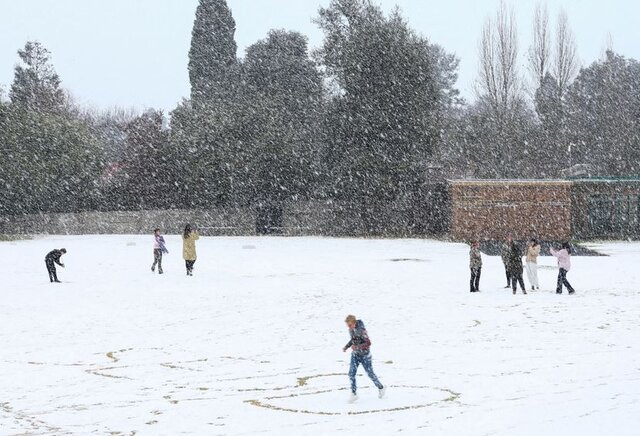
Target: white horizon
135	54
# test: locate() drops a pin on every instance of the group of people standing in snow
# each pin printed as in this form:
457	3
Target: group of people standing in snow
512	254
189	238
359	339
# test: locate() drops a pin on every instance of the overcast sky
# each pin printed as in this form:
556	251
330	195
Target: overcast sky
134	53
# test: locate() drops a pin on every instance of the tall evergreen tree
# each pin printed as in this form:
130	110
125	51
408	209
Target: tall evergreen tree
36	85
212	58
549	106
52	158
502	147
204	129
548	149
50	163
385	119
283	93
146	177
604	115
206	143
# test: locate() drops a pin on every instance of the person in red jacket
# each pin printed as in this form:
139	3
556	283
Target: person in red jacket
360	344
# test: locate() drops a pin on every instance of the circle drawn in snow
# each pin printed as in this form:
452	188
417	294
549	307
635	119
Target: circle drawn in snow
404	259
334	401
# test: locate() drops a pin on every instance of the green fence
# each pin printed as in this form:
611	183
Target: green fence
614	215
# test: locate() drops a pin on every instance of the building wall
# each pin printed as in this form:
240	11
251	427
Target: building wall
407	218
483	209
606	209
211	222
489	209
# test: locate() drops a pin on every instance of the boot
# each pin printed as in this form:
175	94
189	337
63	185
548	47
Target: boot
382	392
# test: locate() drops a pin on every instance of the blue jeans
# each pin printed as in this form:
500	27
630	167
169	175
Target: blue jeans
365	360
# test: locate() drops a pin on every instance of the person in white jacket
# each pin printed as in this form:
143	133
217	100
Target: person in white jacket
564	263
533	251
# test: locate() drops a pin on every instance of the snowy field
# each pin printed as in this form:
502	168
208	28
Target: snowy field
252	343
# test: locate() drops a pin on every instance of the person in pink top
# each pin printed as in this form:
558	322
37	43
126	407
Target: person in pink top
159	249
564	264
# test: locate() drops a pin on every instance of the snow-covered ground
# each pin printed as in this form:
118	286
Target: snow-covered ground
252	343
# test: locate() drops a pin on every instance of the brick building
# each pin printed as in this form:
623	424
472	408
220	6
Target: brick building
547	209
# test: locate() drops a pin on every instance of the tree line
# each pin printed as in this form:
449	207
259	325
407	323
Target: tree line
361	119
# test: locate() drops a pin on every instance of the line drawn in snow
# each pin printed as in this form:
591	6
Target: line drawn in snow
112	354
267	403
101	372
34	423
275	402
179	365
302	381
408	260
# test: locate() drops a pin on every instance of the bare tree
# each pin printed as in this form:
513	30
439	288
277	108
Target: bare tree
540	51
608	47
488	82
499	81
565	66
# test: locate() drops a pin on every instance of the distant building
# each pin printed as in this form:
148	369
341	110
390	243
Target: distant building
547	209
606	208
580	171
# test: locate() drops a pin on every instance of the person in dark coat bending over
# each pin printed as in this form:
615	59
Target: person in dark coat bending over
360	344
50	260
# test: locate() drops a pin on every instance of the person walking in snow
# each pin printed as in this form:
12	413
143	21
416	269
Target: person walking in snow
159	248
533	251
514	268
564	265
504	254
360	344
189	238
475	263
50	261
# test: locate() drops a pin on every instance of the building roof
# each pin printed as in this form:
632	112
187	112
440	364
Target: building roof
509	181
542	181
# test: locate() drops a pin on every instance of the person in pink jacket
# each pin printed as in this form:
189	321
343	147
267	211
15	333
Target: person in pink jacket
564	264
